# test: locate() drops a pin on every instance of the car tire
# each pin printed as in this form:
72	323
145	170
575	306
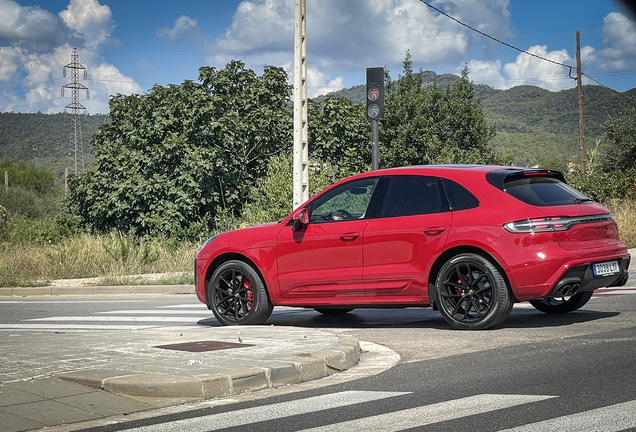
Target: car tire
471	293
333	312
559	305
237	295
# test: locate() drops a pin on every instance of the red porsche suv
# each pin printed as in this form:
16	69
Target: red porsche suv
467	240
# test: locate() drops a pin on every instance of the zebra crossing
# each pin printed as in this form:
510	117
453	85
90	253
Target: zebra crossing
188	316
611	418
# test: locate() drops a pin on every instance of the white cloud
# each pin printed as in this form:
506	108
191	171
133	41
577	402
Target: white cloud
185	29
486	72
619	44
317	83
41	43
89	20
8	66
344	35
526	70
29	27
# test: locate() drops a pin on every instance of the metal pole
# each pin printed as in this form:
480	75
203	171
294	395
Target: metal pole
6	182
580	91
301	150
375	158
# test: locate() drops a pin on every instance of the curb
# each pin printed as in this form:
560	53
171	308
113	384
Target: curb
96	290
290	370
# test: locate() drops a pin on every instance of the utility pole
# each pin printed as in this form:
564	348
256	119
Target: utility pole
301	149
76	152
580	92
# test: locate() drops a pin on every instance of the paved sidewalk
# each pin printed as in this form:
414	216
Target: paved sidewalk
59	377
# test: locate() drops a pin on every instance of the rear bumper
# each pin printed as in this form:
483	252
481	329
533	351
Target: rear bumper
581	278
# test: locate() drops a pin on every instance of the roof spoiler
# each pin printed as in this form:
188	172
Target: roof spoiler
498	178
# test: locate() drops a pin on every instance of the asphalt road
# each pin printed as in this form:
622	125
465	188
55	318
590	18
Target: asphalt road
537	372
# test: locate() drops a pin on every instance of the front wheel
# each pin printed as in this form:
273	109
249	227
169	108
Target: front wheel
558	305
237	295
471	293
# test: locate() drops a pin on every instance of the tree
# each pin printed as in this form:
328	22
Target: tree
339	134
619	139
170	159
432	125
26	176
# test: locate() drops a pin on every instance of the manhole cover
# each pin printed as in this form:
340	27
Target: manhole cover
203	346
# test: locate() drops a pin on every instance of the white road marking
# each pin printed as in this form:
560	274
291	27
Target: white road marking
269	412
159	312
430	414
611	418
74	327
121	319
70	301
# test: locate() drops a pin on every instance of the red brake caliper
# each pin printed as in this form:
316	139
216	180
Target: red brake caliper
250	294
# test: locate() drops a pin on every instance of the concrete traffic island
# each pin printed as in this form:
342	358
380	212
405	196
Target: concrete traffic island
266	357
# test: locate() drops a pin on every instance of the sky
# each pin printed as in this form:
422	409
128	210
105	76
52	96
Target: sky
127	46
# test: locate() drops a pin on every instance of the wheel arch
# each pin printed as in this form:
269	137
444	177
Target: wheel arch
221	259
454	251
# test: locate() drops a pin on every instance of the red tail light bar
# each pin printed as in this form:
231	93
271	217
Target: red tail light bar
554	223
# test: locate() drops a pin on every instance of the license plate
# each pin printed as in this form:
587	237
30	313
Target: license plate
604	269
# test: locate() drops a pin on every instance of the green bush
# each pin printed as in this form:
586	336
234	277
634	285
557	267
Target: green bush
604	186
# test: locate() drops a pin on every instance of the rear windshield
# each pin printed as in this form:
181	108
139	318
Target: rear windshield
544	191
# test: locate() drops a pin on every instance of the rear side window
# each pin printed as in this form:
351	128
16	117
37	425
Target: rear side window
411	195
459	198
543	191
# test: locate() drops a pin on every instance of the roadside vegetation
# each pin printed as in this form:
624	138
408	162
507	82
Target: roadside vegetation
181	163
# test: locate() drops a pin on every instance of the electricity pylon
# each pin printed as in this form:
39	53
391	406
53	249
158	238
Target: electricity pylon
75	150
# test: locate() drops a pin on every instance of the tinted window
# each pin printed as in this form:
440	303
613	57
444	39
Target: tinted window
346	202
459	198
411	195
543	191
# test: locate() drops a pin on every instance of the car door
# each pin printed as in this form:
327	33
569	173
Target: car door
400	244
323	259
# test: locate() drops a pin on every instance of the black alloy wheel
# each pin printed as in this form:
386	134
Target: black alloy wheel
471	293
237	295
557	305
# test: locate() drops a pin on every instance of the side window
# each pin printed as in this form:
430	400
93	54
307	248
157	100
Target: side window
459	198
411	195
346	202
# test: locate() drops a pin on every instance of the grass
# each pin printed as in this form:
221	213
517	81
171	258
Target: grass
625	215
85	256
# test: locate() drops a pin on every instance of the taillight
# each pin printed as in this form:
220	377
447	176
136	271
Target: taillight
554	223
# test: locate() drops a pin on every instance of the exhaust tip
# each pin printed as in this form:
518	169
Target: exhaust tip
566	290
575	288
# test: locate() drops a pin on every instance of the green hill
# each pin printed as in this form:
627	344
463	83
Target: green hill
43	139
533	124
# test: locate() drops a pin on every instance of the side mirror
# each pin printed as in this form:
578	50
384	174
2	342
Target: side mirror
300	218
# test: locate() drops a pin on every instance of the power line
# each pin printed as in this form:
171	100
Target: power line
495	39
519	49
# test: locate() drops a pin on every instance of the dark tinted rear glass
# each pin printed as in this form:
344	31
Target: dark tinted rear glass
543	191
411	195
459	198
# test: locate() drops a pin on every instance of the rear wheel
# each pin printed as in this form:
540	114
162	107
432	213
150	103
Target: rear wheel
333	312
557	305
237	295
471	293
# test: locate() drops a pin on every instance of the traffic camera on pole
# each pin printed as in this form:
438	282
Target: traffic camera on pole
375	93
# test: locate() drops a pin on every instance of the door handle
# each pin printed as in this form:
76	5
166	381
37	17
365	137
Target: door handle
432	231
348	237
